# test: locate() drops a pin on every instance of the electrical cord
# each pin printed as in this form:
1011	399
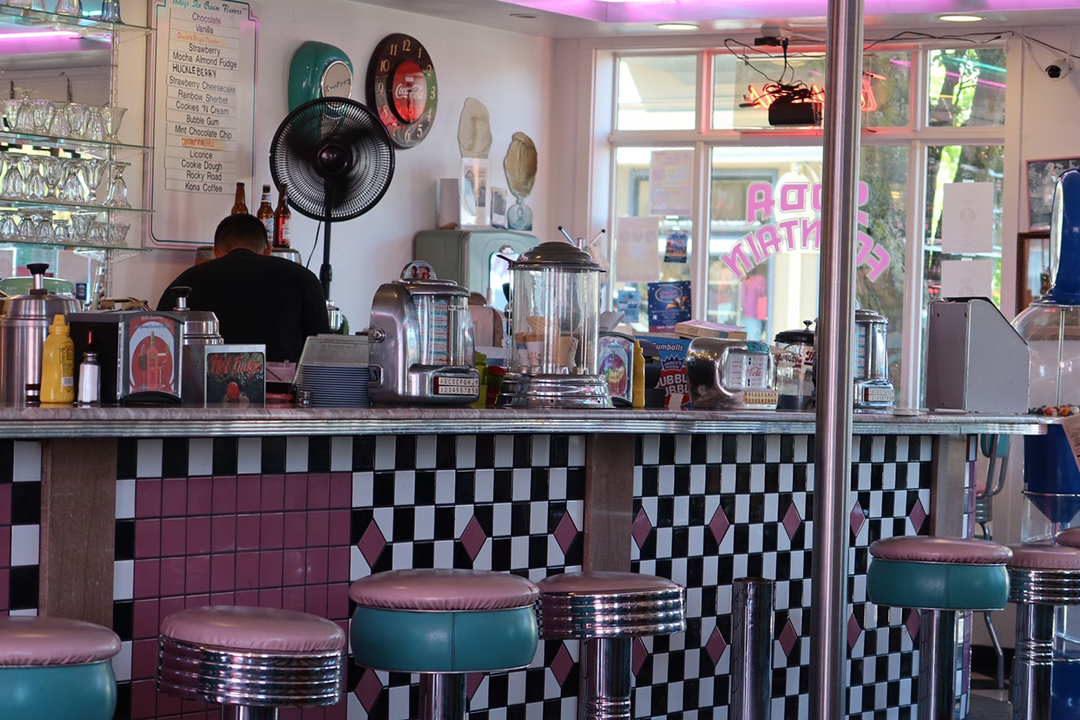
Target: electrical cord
315	244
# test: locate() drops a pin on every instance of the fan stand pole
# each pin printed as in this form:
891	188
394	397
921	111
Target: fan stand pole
326	274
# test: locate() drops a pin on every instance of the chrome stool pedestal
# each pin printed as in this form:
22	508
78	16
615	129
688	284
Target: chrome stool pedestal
605	611
252	660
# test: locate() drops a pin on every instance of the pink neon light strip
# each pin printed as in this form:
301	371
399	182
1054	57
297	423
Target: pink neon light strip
38	34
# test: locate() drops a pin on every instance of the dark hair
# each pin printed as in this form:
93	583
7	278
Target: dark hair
240	231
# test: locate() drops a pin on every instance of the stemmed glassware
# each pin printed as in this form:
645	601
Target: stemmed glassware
92	171
71	187
69	7
117	197
53	171
95	124
78	114
60	126
111	115
8	228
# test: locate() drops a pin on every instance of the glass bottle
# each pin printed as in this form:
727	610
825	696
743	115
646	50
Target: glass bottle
240	203
282	218
265	213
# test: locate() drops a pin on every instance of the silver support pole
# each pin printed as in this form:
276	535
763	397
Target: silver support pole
442	696
937	665
833	370
751	648
605	679
241	712
1033	664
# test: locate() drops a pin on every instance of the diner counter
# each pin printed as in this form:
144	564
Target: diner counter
163	422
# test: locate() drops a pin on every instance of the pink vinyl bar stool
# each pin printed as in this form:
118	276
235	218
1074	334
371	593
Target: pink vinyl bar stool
605	611
1041	577
56	668
253	660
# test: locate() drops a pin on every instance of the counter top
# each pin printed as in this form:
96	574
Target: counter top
223	422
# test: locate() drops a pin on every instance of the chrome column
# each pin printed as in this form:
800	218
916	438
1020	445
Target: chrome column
751	648
937	665
442	696
239	712
1033	663
605	679
832	446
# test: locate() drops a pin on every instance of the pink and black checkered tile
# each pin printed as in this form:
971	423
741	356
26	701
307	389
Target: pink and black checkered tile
20	526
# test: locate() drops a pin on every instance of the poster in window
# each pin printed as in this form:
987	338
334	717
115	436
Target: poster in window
1042	176
671	182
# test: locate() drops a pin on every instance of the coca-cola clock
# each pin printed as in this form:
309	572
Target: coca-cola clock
403	89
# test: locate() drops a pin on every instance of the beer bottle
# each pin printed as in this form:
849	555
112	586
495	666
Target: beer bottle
240	203
266	213
282	216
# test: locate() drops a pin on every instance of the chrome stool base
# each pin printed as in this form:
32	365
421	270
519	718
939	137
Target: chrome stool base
239	712
937	665
442	696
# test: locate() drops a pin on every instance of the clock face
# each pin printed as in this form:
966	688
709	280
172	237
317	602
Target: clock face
403	89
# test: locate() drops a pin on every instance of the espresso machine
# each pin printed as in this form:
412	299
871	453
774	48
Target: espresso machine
421	341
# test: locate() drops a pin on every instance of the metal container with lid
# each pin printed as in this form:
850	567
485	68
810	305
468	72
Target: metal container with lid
795	368
200	328
555	311
873	391
24	324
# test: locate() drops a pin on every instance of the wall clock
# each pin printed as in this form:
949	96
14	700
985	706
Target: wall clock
403	89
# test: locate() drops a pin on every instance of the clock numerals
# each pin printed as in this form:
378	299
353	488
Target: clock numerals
406	45
398	100
384	66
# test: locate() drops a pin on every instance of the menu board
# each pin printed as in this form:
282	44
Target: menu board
204	116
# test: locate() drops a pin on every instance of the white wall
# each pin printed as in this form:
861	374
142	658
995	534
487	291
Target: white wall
508	72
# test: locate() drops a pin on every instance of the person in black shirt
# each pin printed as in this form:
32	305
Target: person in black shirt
258	298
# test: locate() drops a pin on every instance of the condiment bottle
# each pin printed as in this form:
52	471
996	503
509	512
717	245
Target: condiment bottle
58	364
265	213
240	203
89	379
282	218
638	390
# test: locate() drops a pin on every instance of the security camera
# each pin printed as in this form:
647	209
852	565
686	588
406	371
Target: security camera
1058	69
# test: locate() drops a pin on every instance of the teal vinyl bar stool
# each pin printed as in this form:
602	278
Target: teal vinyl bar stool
443	624
56	668
940	577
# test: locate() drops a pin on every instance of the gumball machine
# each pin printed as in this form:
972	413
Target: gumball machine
1051	327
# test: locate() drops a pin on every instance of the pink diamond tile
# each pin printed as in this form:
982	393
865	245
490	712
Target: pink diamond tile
199	496
857	519
642	527
473	538
147	498
272	531
788	636
223	533
273	493
791	521
318	527
638	655
719	524
340	527
296	492
247	570
913	623
147	538
340	490
247	532
562	664
372	543
853	631
295	529
368	689
566	532
248	493
318	491
716	646
472	683
224	494
917	516
173	497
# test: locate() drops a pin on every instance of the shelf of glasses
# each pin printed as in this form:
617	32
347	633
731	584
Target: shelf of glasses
86	26
78	248
7	204
71	144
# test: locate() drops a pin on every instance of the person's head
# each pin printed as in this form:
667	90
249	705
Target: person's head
240	231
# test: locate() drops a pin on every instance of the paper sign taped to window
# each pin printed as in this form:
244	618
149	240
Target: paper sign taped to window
637	257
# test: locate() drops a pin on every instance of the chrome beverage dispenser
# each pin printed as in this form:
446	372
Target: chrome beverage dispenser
1051	327
421	342
555	310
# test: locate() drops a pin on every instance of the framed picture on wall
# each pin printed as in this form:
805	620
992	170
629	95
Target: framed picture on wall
1042	178
1032	267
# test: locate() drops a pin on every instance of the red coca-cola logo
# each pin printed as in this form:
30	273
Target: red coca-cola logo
410	91
753	371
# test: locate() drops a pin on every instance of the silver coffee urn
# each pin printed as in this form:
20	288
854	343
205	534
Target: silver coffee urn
24	323
555	310
873	391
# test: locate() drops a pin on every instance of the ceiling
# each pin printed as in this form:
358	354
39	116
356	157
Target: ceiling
593	18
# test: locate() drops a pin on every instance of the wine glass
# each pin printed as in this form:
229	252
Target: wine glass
111	116
117	197
60	127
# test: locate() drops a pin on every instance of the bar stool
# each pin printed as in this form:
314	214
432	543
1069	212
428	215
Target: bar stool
1041	577
939	577
56	668
253	660
443	624
605	611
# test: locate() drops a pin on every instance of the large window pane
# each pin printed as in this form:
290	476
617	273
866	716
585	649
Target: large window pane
967	87
657	92
634	198
742	92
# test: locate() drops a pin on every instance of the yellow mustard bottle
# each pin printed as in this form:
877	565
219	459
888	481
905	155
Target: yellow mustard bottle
639	376
58	364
